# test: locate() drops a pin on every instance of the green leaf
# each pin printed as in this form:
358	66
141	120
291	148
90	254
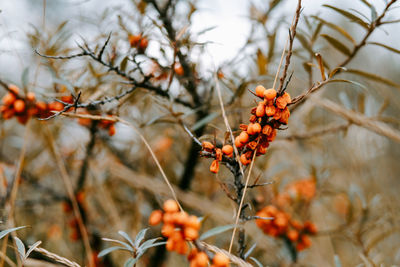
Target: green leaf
338	45
108	250
140	236
7	231
374	77
119	242
21	248
385	46
216	231
373	10
148	243
337	261
337	28
206	120
130	262
349	15
127	237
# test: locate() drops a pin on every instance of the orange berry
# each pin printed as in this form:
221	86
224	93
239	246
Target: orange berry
22	119
168	218
167	230
190	233
178	69
238	144
170	246
111	130
310	227
207	146
272	136
261	150
270	94
41	106
250	129
143	44
271	210
244	160
285	114
192	254
305	240
214	168
260	91
14	89
260	111
30	96
267	129
8	113
19	106
170	205
256	128
218	154
281	102
227	149
252	145
8	99
201	259
193	222
181	217
287	97
243	137
134	40
182	247
293	235
296	225
155	217
220	260
270	111
253	118
56	106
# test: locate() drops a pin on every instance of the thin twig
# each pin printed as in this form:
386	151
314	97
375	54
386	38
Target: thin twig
57	258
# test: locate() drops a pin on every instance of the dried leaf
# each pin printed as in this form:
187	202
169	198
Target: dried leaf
337	28
374	77
385	46
261	63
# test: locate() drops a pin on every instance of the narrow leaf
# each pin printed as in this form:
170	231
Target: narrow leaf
349	15
347	81
108	250
21	248
7	231
216	231
144	248
337	44
204	121
385	46
140	236
127	237
25	78
149	242
124	63
119	242
321	65
32	248
337	28
261	62
374	77
335	70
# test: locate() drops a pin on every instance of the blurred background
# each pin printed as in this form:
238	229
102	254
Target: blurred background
354	166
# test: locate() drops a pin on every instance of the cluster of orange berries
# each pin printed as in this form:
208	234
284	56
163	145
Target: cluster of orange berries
266	118
179	227
226	150
284	227
200	259
139	42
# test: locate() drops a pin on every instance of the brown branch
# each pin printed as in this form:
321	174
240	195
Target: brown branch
317	132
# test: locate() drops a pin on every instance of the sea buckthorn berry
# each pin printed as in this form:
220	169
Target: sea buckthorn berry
181	217
111	130
8	113
243	137
278	114
23	119
155	217
244	160
193	222
243	127
190	233
260	91
30	96
253	118
272	136
270	110
296	225
42	106
178	69
201	259
250	129
252	145
143	44
260	112
170	246
270	94
207	146
220	260
256	128
310	227
267	129
214	168
170	206
167	230
305	240
293	235
238	144
168	218
56	106
281	102
192	254
182	247
227	149
19	106
134	40
218	154
287	97
285	114
8	99
261	150
13	88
